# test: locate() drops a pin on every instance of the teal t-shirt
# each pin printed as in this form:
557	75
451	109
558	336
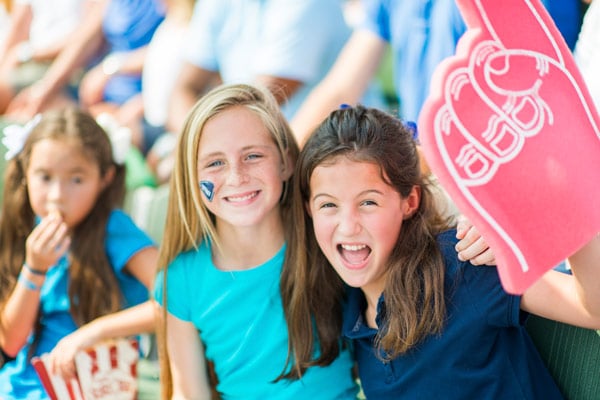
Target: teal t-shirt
18	379
240	318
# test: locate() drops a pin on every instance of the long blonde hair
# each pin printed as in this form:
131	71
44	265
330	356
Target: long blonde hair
188	221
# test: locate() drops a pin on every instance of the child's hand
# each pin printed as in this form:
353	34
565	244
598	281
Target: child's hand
62	357
472	247
47	242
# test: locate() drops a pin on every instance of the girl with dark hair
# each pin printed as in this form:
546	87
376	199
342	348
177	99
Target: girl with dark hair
70	261
371	259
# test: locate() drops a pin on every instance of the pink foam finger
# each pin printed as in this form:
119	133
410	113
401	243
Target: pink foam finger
509	22
513	136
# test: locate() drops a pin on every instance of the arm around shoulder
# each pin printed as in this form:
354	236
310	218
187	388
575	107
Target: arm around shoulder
571	299
585	264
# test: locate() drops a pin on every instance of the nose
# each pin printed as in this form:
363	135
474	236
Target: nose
349	223
55	192
237	174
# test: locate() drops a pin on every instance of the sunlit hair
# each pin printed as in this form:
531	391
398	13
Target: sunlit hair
312	290
93	289
188	221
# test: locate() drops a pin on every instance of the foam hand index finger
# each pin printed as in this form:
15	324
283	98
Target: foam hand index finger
508	129
508	22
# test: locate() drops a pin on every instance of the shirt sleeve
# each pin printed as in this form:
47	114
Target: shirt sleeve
200	38
124	239
297	36
376	19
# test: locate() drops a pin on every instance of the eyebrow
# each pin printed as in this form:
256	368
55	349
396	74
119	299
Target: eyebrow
245	148
76	170
363	193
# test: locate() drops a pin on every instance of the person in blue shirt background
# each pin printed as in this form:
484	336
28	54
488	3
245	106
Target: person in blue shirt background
420	34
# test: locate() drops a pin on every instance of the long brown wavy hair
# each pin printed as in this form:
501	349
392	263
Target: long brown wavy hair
93	288
312	291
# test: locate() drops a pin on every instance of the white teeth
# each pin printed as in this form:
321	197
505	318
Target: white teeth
243	198
355	247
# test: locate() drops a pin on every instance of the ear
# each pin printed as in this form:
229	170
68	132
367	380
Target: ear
287	166
108	177
411	202
307	207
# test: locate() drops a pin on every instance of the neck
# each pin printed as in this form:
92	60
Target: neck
372	294
247	247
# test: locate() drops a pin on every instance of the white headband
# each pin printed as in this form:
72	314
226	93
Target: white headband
15	136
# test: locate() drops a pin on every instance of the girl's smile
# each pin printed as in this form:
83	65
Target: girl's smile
355	255
356	225
238	155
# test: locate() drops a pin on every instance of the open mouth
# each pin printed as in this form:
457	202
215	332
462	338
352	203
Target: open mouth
241	199
354	254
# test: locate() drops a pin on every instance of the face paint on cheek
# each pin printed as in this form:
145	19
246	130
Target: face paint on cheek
207	188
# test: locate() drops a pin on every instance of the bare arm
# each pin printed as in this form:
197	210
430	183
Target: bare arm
44	246
191	83
20	21
186	359
131	321
143	265
85	43
281	88
91	87
346	82
572	299
585	265
128	322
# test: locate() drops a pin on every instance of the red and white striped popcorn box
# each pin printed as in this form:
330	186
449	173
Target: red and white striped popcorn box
56	387
108	371
105	371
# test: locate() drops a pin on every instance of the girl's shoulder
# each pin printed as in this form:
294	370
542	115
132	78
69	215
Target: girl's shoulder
186	261
447	241
120	224
123	238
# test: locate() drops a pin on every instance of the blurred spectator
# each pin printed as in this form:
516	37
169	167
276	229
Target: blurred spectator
568	15
285	45
421	34
117	29
5	8
37	32
587	51
164	59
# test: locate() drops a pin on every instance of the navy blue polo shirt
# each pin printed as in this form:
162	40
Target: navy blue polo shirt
484	351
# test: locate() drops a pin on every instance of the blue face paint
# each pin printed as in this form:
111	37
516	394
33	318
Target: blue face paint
207	188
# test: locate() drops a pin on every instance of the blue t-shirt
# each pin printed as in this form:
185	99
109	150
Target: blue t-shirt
243	39
483	352
128	25
240	320
18	379
421	34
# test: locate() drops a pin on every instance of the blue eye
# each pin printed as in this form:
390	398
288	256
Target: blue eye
216	163
327	205
253	156
369	203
